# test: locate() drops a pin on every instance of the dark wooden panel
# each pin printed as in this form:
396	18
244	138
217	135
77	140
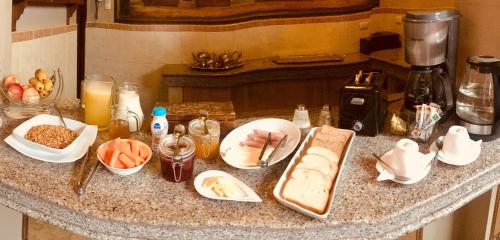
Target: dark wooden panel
207	94
136	11
280	94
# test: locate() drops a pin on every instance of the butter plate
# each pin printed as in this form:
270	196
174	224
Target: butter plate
240	191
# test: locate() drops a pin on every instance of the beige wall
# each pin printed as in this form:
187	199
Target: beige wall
5	37
50	52
479	29
37	17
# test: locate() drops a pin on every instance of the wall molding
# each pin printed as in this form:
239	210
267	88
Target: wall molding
41	33
247	24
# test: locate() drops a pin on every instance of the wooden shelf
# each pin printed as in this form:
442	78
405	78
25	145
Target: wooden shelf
18	7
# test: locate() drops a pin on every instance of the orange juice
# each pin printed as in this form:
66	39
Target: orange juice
97	97
206	144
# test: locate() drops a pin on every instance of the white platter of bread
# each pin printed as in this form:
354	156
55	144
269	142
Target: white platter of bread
309	182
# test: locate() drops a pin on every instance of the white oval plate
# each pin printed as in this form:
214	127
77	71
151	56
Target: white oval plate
239	134
248	195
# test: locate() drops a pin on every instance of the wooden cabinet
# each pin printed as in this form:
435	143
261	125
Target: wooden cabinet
262	84
18	7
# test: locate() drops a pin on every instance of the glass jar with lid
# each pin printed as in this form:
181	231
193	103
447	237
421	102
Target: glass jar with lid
205	133
177	166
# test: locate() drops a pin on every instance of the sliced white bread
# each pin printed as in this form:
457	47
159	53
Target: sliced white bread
325	152
302	194
312	175
317	162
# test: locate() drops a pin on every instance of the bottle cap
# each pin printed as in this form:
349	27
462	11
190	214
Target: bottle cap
159	111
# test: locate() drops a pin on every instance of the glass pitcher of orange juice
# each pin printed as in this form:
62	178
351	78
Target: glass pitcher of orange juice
205	133
97	90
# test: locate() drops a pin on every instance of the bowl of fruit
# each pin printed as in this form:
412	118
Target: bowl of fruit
23	99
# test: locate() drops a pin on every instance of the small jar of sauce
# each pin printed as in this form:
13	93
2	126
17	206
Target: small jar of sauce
177	168
205	133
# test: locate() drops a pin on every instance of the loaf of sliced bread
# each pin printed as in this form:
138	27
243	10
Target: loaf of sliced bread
310	182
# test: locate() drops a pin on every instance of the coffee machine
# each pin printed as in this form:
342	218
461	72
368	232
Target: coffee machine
478	101
430	49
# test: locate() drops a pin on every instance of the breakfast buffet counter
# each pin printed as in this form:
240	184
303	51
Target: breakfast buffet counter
144	205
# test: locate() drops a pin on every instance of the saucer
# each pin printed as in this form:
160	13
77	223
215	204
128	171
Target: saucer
453	160
381	169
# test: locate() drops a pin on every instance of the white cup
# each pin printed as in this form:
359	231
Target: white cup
456	141
406	160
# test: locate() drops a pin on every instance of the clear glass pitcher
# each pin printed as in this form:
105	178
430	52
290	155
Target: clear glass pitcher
475	100
97	91
127	95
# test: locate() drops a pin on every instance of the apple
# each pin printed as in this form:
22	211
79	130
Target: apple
9	80
15	91
30	96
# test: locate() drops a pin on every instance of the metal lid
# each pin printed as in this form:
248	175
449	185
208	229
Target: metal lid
168	142
430	16
484	64
197	127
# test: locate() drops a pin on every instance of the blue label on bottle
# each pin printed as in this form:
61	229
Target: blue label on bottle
157	126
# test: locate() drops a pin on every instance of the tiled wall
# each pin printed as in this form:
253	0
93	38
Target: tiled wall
43	40
48	52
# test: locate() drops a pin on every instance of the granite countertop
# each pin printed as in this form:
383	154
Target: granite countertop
145	206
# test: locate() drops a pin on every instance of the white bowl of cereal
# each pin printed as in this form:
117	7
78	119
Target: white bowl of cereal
47	133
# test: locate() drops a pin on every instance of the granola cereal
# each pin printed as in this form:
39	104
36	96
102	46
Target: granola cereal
51	136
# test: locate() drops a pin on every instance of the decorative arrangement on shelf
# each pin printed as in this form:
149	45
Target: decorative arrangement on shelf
205	61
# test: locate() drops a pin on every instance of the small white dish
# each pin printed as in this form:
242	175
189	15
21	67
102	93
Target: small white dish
233	139
123	171
472	155
45	119
38	154
382	170
243	192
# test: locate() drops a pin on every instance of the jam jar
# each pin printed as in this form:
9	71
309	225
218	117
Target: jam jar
177	168
206	134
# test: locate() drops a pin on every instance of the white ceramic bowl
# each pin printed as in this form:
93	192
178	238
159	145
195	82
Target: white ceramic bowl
124	171
41	119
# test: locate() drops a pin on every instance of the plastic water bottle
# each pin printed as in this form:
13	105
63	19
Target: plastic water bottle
159	127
